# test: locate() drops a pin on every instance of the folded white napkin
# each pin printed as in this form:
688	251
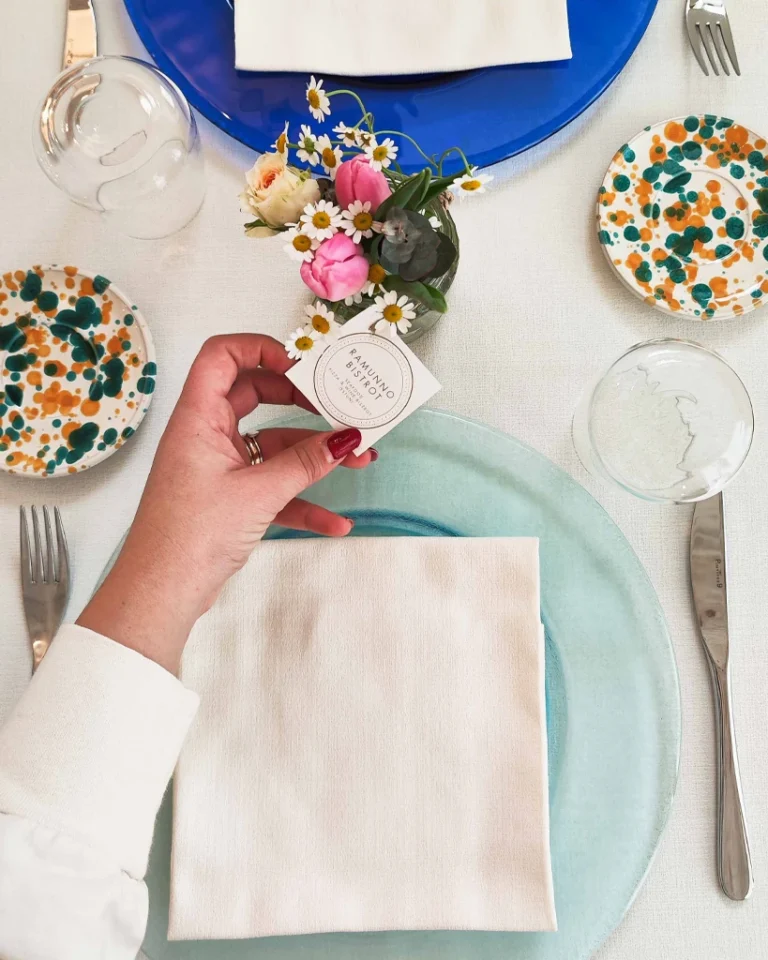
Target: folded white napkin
366	38
370	750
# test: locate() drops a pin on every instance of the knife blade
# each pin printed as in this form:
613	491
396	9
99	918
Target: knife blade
80	39
708	561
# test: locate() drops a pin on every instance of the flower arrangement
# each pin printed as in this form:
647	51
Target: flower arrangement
364	233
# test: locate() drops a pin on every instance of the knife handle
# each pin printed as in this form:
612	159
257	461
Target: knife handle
734	865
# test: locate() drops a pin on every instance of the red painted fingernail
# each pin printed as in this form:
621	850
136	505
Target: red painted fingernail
374	454
343	443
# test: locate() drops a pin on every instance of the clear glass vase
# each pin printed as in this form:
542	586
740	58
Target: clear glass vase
425	318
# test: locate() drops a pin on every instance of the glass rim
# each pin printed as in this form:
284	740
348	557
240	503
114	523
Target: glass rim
590	418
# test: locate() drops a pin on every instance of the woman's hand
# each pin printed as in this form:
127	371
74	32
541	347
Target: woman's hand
205	507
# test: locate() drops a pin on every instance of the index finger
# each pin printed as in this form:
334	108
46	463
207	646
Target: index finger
223	357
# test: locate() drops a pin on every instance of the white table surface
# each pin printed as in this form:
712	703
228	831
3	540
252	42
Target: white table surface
533	314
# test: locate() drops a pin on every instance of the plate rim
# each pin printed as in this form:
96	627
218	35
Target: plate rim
238	131
100	455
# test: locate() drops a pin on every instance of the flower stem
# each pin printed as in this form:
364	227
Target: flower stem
448	152
351	93
399	133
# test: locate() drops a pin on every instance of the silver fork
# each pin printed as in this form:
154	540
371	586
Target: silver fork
708	29
45	582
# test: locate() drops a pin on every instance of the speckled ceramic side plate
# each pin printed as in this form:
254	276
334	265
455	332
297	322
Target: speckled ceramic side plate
77	370
683	217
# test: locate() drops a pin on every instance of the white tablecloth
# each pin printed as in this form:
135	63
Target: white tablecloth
534	312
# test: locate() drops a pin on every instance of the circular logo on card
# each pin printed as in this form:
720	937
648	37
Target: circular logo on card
363	380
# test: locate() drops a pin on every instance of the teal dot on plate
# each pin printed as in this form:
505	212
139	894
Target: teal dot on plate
71	376
56	423
645	247
631	233
734	227
621	183
737	171
718	213
691	124
48	301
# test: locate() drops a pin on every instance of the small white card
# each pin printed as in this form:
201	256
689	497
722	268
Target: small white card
364	380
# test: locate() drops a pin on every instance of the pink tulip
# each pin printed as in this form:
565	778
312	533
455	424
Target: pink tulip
357	180
338	269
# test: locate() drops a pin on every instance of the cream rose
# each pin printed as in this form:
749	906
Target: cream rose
276	194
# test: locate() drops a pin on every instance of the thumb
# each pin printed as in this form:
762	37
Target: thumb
290	472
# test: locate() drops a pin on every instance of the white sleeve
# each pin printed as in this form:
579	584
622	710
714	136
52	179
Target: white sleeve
85	758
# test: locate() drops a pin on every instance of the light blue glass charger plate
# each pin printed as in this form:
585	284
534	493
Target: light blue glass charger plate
613	706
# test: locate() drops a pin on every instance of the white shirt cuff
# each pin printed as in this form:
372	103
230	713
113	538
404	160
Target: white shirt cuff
91	744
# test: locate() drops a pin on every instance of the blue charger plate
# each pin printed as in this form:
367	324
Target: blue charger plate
492	114
613	707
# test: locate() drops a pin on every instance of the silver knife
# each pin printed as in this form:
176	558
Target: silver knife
80	42
710	599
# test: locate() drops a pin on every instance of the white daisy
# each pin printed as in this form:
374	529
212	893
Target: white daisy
349	136
376	275
300	344
281	144
381	154
320	220
300	246
354	298
365	139
358	221
330	156
308	146
472	182
434	222
322	321
317	98
394	315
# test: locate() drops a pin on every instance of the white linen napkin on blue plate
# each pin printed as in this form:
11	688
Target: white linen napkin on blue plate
366	38
370	750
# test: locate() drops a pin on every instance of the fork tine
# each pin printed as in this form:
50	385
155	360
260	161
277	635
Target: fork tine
725	29
706	39
718	40
50	567
37	559
695	41
26	567
61	540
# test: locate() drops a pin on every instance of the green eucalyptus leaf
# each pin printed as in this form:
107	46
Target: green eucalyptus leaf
446	255
420	266
414	290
